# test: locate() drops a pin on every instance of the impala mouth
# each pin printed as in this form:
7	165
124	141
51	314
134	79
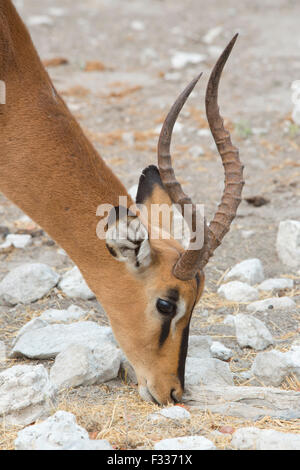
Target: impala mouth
146	395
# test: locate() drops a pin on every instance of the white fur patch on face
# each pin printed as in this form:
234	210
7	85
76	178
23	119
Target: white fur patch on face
144	393
181	309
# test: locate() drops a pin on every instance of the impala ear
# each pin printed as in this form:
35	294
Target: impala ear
127	239
152	195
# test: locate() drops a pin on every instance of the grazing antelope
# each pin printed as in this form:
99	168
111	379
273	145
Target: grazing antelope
147	286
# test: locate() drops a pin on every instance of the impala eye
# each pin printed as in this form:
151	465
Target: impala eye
165	307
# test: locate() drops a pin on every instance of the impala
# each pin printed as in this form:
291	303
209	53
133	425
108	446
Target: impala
147	286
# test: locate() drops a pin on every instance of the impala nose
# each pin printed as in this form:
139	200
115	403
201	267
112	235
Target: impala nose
176	394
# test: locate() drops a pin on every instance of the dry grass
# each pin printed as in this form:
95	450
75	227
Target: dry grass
121	417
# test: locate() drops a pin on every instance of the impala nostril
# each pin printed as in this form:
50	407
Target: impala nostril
173	396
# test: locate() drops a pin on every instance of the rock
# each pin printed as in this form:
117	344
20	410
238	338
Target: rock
137	25
244	402
288	243
212	34
274	303
19	241
33	324
249	270
2	352
73	285
196	151
80	365
128	138
47	342
177	413
207	371
252	332
199	346
72	313
276	284
237	291
26	394
247	234
251	438
39	20
219	351
271	367
185	443
182	59
229	320
59	432
27	283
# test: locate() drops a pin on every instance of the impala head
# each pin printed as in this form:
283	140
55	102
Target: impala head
166	279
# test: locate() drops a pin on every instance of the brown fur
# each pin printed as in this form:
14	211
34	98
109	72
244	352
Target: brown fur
52	172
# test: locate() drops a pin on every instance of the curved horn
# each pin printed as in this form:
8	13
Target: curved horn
193	260
166	171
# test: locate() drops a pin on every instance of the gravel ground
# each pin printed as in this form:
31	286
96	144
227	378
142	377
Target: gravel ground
121	106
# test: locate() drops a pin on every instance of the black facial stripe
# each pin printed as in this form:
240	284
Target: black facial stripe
173	295
185	342
183	353
165	330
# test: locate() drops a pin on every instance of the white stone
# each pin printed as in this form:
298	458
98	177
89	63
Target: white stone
80	365
204	133
182	59
26	394
5	245
251	438
288	243
207	371
211	34
59	432
74	285
2	352
172	76
172	412
128	138
247	233
72	313
137	25
39	20
219	351
276	284
271	367
215	51
196	151
33	324
47	342
249	270
229	320
237	291
252	332
19	241
27	283
199	346
273	303
185	443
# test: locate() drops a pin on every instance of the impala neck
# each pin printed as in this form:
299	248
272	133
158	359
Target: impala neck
47	166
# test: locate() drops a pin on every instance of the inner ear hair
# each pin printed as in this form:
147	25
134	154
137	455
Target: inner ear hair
127	238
